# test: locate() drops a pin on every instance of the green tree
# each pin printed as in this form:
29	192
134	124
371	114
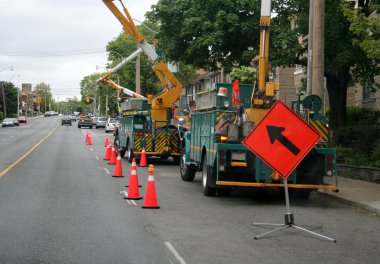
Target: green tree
244	74
211	34
124	45
208	34
10	98
43	91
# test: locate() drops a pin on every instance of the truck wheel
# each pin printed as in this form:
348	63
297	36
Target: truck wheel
207	172
177	160
187	171
129	153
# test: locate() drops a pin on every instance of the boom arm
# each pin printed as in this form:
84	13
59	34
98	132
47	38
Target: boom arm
266	90
172	88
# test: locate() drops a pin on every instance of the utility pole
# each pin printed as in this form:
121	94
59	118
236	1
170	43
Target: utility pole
18	102
310	49
4	106
318	47
106	105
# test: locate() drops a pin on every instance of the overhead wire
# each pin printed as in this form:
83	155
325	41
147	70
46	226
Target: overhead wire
53	53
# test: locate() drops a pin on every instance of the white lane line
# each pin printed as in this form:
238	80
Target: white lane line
175	253
96	157
133	202
91	149
107	171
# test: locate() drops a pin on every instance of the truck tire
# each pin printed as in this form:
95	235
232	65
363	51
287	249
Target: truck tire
187	171
129	153
177	160
207	178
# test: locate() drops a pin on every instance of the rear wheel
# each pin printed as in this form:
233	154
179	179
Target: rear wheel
187	171
129	152
177	159
207	179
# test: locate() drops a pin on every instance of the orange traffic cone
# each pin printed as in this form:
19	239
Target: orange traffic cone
106	142
108	153
118	172
89	141
143	161
113	156
133	190
87	138
150	201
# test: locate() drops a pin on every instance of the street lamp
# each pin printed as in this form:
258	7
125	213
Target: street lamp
7	68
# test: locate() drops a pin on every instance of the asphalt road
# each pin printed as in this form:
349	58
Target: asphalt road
60	205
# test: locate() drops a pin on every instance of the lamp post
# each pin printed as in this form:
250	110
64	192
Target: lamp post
7	68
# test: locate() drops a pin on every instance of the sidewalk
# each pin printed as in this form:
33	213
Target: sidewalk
358	193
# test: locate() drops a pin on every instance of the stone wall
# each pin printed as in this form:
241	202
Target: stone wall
360	173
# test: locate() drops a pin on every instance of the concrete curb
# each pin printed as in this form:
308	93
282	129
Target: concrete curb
351	202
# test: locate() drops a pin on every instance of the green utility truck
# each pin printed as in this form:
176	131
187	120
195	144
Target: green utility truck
137	130
213	146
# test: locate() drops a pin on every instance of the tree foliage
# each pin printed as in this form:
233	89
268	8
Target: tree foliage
224	33
43	91
208	34
10	98
244	74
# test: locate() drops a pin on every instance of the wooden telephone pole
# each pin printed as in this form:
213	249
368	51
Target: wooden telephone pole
318	61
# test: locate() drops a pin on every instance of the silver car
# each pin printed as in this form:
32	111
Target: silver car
110	125
8	122
101	122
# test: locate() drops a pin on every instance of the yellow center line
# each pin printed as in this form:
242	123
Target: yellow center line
27	153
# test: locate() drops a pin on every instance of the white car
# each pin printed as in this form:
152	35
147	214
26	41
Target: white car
9	122
110	125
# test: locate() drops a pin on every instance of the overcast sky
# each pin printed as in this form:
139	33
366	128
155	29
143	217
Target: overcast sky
58	41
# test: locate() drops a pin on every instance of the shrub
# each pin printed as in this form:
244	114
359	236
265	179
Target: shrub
359	142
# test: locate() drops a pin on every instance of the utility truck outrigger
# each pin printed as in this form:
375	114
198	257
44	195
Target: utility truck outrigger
146	120
213	144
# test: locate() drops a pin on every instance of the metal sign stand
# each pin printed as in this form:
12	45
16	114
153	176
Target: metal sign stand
289	221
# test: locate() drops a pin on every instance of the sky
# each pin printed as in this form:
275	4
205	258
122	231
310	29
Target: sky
58	42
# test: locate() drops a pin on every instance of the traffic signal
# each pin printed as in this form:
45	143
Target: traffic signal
88	100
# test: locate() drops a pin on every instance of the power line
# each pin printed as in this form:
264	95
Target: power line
53	53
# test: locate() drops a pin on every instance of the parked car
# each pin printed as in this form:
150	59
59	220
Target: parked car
73	118
101	122
8	122
22	119
110	125
15	121
49	113
85	121
94	120
66	120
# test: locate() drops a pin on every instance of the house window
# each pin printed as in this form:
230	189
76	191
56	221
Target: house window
369	93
